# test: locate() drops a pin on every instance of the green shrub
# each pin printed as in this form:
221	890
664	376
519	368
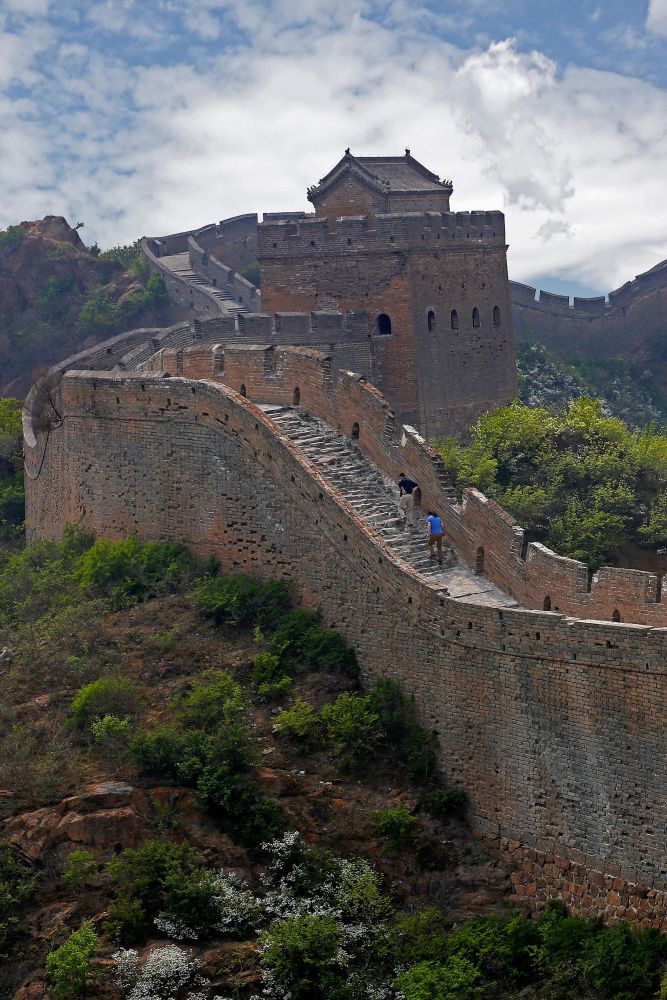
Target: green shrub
404	738
144	879
625	962
237	602
12	237
252	273
127	921
563	939
298	721
69	967
17	886
276	691
359	896
108	696
304	957
111	734
457	979
124	256
53	297
99	314
502	950
81	869
419	937
266	668
446	802
398	825
240	805
352	728
207	705
303	644
158	752
130	571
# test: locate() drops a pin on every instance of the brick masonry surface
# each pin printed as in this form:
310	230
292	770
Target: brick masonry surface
554	726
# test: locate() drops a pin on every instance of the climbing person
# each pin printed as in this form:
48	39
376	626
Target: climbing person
435	534
406	503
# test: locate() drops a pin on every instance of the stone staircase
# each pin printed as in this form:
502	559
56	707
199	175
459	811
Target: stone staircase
180	264
374	497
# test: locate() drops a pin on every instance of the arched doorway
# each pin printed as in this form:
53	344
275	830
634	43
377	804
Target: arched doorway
383	325
479	561
547	604
296	397
242	391
355	431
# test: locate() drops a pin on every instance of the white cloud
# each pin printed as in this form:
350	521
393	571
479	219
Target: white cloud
657	17
576	158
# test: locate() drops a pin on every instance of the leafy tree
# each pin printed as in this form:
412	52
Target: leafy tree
457	979
304	956
69	967
578	480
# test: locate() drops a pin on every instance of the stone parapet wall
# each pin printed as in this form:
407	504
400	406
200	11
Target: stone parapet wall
554	727
602	326
484	535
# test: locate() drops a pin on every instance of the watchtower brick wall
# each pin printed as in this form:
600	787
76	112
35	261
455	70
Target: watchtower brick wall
435	290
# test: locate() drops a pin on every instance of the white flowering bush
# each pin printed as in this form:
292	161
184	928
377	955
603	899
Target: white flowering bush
229	907
163	975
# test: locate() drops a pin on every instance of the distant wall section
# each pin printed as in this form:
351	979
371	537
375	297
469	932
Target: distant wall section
604	326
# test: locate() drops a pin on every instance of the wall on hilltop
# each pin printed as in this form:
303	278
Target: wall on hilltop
554	727
634	314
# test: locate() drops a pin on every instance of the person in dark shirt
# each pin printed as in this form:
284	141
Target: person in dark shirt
435	534
406	503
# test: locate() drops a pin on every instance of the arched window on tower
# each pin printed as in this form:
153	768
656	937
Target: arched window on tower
475	317
455	320
431	321
242	390
383	325
547	603
496	316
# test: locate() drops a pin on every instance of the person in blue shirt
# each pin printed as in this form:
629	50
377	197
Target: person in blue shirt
435	534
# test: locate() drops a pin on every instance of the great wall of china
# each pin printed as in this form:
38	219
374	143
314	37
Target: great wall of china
263	441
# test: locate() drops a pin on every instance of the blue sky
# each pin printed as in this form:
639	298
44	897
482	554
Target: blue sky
151	117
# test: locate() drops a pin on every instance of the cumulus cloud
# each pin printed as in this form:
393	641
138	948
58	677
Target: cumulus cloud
657	17
248	102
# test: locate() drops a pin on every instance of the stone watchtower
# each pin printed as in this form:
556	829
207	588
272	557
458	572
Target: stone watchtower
432	284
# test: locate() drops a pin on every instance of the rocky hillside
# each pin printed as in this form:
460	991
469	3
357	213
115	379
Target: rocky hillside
58	296
199	800
634	389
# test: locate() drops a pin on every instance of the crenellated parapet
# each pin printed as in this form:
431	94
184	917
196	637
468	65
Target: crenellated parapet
600	326
408	230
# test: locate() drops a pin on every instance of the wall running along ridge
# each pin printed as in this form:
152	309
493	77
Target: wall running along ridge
594	327
555	727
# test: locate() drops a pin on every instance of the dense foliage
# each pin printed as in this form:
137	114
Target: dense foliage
51	587
303	921
580	482
12	498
